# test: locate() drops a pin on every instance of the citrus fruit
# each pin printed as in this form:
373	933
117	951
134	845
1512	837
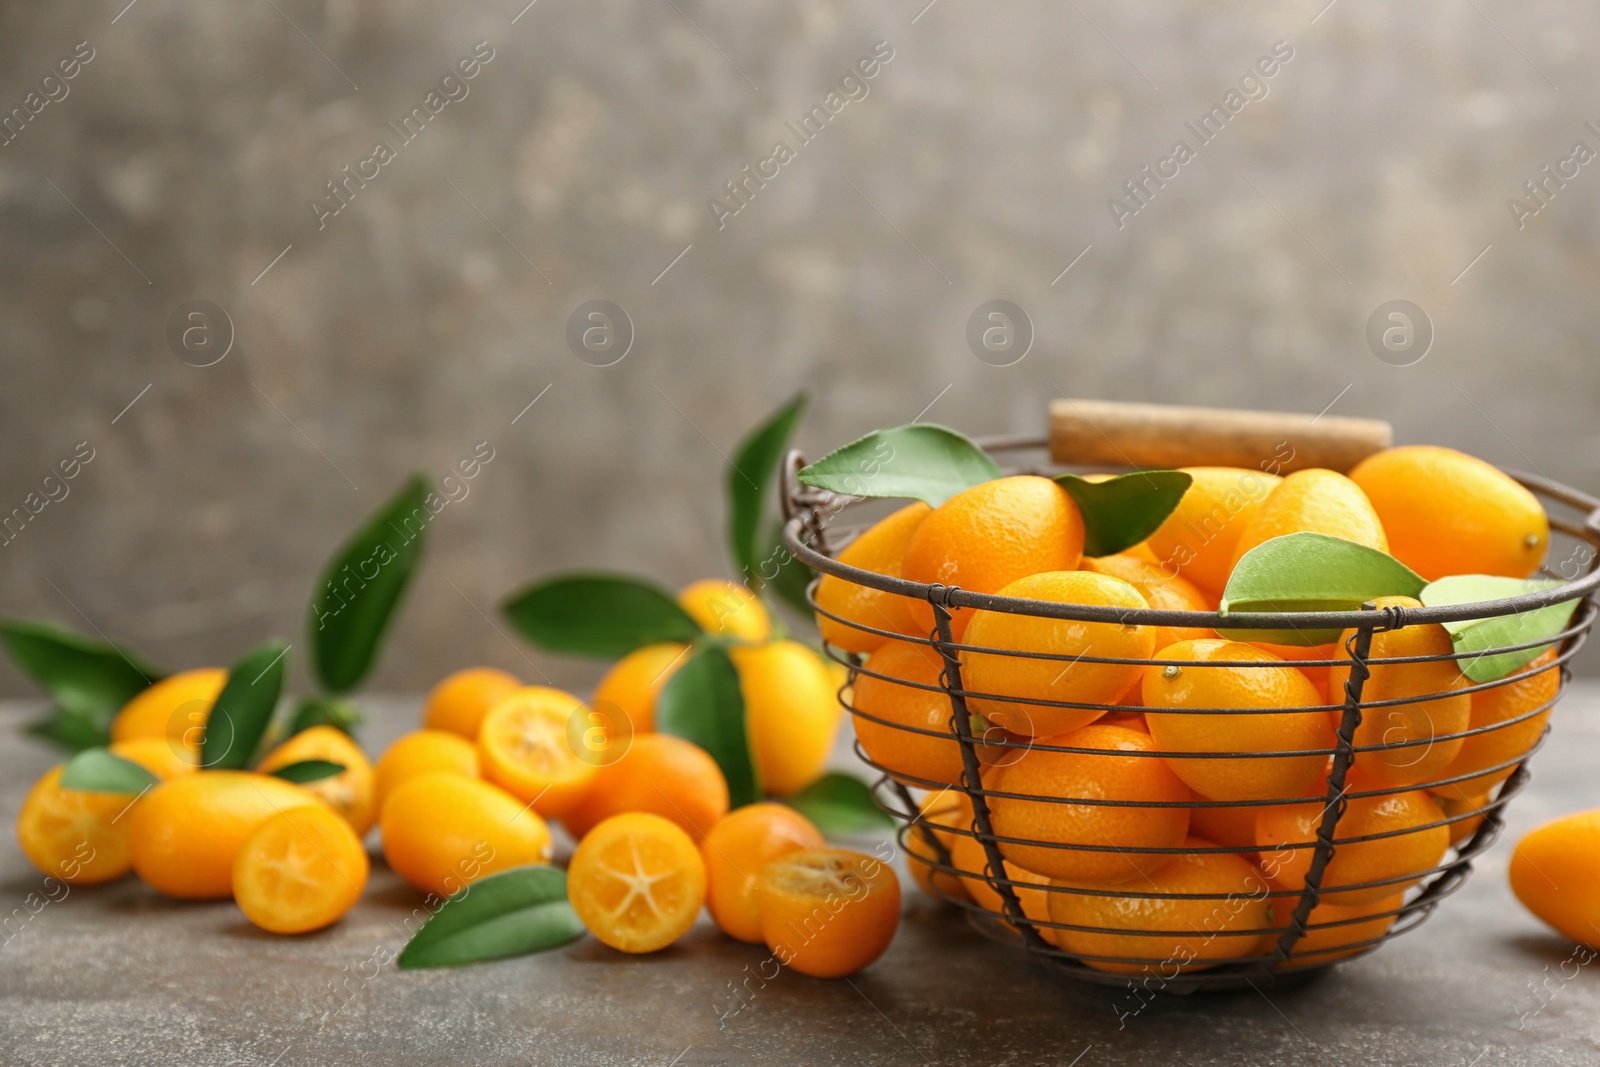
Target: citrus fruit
174	707
160	756
637	882
1468	813
1317	672
1314	501
1198	539
1418	841
523	747
881	550
76	836
1244	677
633	683
441	831
967	854
738	846
726	609
1555	872
827	912
1334	931
1424	724
1228	923
1067	678
184	834
350	792
907	699
422	752
660	774
1520	696
1160	592
1089	842
984	538
791	713
461	700
301	870
946	808
1231	826
1450	513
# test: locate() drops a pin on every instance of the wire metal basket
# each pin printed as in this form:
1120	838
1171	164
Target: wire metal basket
1265	954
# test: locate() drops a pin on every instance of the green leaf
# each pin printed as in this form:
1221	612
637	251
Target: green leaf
311	711
750	477
88	679
604	615
511	913
1478	636
71	730
243	709
96	770
921	461
702	702
357	595
1120	512
792	577
839	805
308	770
1311	572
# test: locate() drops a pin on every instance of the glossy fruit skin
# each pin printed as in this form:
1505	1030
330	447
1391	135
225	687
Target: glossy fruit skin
915	758
671	880
79	837
1160	592
828	913
350	792
161	756
1431	720
629	689
442	831
422	752
726	609
184	834
1473	808
792	713
1314	501
881	550
175	707
1198	539
461	700
1535	686
967	854
1203	932
1318	674
734	852
1323	943
1386	860
1112	772
1065	679
524	747
984	538
1234	683
1555	872
287	851
1450	513
1229	827
663	775
946	808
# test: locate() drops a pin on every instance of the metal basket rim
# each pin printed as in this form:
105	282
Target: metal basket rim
955	597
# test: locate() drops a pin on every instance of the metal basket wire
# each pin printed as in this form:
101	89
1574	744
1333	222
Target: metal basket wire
813	538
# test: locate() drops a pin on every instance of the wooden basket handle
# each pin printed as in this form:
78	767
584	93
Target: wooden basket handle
1113	433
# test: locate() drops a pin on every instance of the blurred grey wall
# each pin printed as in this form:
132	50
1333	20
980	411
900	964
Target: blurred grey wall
978	162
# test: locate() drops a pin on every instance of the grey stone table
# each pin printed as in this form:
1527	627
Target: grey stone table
117	975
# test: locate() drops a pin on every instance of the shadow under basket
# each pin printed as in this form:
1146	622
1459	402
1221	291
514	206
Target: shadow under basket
1278	951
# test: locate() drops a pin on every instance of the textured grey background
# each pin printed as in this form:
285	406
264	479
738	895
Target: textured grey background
979	167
